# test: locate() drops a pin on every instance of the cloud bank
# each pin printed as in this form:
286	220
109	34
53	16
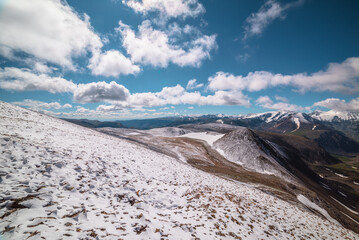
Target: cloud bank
338	77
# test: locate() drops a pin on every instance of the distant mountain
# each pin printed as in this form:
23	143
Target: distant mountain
280	121
345	122
335	116
332	136
340	135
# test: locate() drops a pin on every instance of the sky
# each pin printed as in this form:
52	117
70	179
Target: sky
126	59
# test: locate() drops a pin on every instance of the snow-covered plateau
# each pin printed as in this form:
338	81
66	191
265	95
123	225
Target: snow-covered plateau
62	181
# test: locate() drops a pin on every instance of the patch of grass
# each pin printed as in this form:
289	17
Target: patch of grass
343	158
344	167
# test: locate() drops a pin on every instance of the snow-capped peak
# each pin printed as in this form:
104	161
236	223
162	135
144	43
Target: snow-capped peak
276	116
335	115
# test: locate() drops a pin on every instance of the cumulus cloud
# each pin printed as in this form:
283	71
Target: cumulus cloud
268	12
100	92
112	63
192	84
337	104
22	79
167	8
266	102
153	47
56	35
33	104
338	77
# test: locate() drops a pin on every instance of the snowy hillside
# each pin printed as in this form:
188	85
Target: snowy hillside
59	180
243	147
335	116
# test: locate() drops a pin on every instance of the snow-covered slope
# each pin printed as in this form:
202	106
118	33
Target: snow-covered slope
243	147
59	180
209	137
335	116
167	131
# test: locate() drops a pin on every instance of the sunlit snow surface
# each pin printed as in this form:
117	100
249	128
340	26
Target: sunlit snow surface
210	138
59	180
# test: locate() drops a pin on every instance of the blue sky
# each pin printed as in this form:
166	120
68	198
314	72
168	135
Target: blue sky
116	59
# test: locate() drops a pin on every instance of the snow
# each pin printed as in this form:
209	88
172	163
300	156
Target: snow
59	180
341	175
269	117
242	147
167	131
325	185
349	209
350	218
344	195
297	122
314	206
355	183
314	127
209	137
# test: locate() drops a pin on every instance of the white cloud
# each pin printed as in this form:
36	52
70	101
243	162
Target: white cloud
109	108
56	35
199	50
100	92
254	81
16	79
177	95
112	63
191	107
192	84
268	12
266	102
167	96
42	68
67	105
338	77
226	98
339	104
38	105
80	109
167	8
153	47
282	99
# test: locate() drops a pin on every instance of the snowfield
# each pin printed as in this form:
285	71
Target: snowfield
209	137
59	180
